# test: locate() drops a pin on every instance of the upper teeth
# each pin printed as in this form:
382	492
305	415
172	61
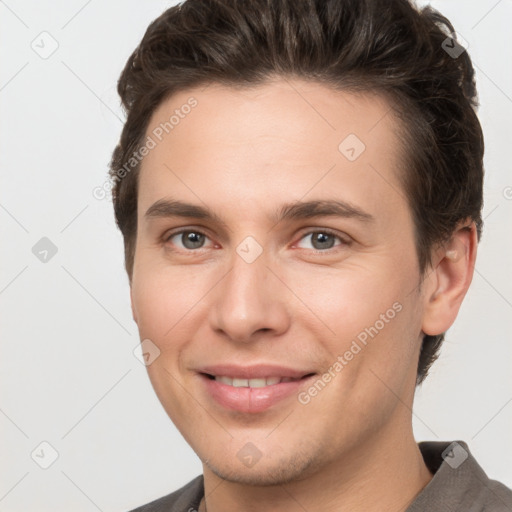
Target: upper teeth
252	383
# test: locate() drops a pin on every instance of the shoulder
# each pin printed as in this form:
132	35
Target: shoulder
185	499
459	483
496	497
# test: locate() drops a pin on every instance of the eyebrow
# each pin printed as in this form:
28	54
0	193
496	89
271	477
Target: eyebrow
299	210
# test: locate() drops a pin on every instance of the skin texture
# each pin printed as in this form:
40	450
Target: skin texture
242	154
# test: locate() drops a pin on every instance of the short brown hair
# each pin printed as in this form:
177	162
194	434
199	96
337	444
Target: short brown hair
384	46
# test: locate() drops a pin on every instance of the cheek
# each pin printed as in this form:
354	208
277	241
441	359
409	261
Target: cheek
369	335
368	317
349	300
167	305
165	298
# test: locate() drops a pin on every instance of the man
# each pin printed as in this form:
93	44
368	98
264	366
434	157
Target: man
299	187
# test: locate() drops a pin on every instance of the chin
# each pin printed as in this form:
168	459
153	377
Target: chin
265	473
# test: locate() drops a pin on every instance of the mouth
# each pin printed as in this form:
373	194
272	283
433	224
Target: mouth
241	382
251	395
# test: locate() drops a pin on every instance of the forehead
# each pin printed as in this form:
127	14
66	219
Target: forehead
248	149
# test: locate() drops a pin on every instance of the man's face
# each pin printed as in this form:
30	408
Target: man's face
302	293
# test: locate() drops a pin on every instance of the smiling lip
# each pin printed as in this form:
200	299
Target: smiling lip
252	399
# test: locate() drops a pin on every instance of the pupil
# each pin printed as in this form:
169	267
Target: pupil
321	238
192	240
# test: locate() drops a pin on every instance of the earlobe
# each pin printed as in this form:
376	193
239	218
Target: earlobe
450	279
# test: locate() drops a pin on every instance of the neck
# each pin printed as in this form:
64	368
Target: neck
384	474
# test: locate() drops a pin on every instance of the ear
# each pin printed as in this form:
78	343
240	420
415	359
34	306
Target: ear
134	314
449	279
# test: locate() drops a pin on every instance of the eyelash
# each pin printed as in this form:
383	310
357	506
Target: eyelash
326	231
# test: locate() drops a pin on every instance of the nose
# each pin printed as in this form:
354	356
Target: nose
250	302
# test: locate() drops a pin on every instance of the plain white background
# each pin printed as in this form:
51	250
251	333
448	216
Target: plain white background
69	376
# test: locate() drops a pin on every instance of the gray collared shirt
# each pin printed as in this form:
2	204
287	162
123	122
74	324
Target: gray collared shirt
459	485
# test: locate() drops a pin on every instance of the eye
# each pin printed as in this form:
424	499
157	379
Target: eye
323	240
189	239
